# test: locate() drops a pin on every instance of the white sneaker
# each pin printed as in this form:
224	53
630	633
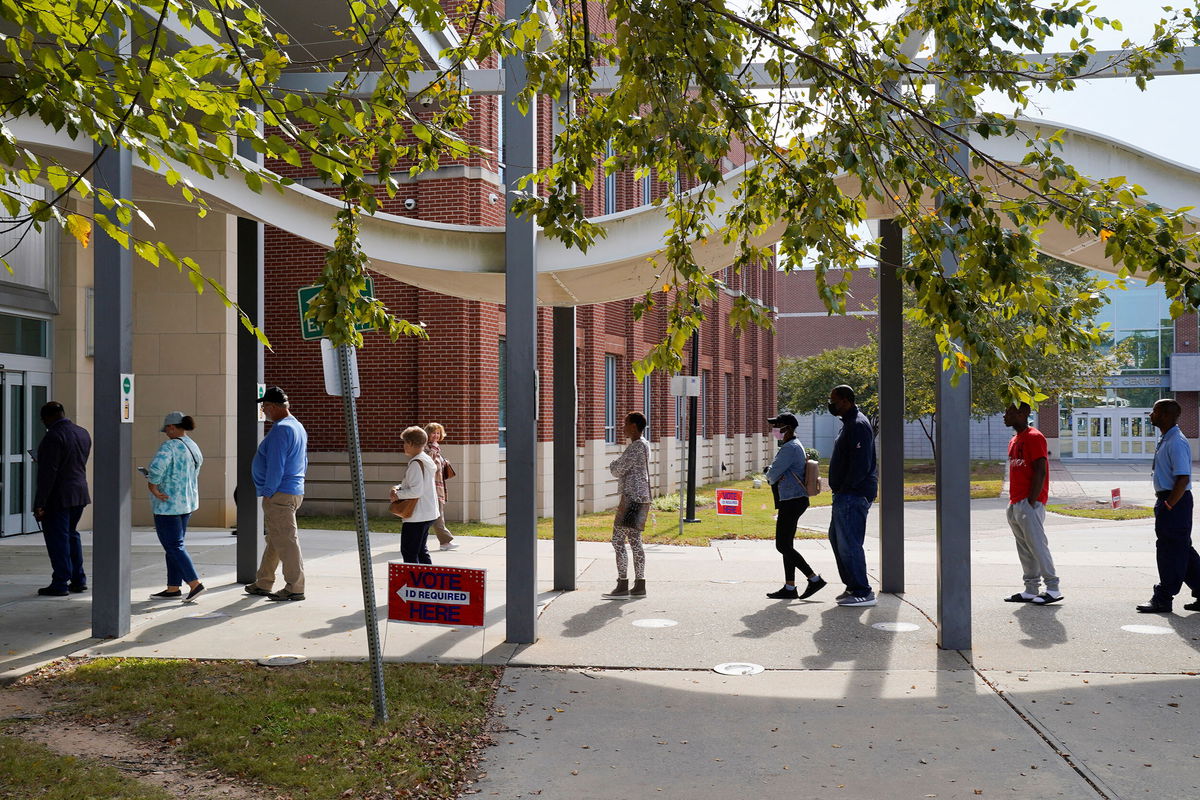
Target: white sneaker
449	546
861	601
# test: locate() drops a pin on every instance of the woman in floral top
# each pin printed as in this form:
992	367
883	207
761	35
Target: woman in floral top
433	449
632	469
173	477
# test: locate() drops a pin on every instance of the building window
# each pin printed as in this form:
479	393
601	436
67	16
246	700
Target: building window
23	336
703	404
647	404
610	184
610	399
502	372
748	406
763	399
728	400
647	191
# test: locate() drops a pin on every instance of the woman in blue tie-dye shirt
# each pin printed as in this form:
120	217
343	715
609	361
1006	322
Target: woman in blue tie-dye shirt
174	476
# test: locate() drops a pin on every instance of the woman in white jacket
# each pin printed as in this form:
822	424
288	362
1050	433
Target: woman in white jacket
418	483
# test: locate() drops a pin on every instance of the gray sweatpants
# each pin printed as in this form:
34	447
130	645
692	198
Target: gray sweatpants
1028	525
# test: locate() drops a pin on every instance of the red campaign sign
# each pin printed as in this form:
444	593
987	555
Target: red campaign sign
1116	498
729	501
439	595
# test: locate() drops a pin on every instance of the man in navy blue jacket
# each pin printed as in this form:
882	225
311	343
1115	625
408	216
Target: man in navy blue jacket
62	493
854	480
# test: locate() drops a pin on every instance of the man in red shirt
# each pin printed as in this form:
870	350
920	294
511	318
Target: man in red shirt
1028	489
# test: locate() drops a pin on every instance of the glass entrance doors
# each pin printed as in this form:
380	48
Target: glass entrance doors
22	394
1113	433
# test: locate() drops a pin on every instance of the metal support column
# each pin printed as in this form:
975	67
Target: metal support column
891	408
520	299
693	454
249	430
953	475
113	453
565	478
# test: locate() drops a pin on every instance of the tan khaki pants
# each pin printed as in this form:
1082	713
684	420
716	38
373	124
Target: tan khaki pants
444	536
279	522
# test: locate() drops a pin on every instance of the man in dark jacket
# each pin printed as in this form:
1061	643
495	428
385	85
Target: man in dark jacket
854	480
62	493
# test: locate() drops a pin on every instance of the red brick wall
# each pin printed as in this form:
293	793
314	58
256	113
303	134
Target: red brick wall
452	377
1189	402
809	335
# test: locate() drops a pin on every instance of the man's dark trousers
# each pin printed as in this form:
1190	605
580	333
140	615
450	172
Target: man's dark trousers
60	529
1178	562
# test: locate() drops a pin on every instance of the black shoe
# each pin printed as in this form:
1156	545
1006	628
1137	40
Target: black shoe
814	586
284	594
1192	606
50	591
166	593
1154	607
191	596
784	594
254	588
77	587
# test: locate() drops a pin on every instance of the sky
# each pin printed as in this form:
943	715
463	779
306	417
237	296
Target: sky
1163	119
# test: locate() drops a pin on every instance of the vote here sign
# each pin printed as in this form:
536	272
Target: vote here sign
729	501
436	594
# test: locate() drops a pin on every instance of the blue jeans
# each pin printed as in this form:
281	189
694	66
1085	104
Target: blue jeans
847	529
171	529
1178	562
59	529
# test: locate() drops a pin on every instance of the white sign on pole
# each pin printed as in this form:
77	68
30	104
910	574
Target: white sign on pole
127	411
262	415
333	372
685	386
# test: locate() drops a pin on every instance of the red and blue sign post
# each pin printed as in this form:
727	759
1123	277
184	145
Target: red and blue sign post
435	594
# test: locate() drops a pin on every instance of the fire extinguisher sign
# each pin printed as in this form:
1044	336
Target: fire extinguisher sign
127	412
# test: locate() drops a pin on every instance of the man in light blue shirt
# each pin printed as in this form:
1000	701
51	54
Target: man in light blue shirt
278	470
1178	562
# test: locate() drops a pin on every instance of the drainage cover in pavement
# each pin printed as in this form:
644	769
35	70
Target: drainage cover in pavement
738	668
1156	630
284	660
896	627
654	623
207	615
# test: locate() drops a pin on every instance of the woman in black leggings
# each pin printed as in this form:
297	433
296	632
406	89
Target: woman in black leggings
786	476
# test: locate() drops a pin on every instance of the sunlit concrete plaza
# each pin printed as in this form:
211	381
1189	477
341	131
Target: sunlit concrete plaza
1082	699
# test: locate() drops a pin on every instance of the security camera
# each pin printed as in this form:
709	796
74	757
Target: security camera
493	198
410	204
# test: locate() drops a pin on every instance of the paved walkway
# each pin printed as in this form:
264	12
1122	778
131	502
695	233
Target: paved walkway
1085	699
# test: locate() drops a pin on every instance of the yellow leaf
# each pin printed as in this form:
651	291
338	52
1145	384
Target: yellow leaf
1105	235
962	361
80	228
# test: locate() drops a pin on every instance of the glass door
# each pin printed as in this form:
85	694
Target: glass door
22	394
1138	436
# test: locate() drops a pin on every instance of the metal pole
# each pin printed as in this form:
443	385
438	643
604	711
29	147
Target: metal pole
113	454
953	475
565	479
693	408
370	618
520	341
249	430
891	409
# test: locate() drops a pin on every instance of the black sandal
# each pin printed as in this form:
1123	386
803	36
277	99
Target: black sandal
1018	598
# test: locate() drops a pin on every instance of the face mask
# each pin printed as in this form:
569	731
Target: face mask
833	409
778	434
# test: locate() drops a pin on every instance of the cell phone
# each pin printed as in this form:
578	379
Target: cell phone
145	472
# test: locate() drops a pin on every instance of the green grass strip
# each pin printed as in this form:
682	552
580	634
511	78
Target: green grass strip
1102	512
305	731
29	770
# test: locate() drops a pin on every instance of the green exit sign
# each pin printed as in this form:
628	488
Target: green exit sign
309	328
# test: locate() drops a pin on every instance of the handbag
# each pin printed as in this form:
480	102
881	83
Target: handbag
448	472
407	507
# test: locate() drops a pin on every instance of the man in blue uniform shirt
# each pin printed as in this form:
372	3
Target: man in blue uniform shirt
278	469
1178	562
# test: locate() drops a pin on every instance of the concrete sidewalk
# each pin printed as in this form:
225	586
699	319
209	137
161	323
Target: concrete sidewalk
1084	699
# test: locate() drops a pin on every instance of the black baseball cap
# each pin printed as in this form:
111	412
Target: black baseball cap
273	394
784	420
